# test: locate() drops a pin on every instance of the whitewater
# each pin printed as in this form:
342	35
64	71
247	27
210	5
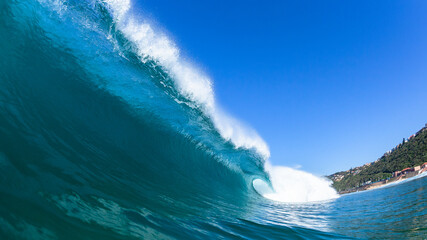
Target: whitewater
108	132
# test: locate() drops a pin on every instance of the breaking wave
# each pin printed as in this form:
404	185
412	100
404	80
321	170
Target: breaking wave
104	124
153	45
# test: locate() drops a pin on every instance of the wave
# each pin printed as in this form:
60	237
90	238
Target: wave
197	87
107	132
107	100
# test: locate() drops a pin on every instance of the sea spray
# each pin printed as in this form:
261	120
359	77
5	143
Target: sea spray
292	185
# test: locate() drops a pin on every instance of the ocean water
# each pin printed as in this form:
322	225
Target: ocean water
107	132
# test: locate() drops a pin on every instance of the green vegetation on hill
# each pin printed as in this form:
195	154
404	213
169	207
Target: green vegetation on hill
407	154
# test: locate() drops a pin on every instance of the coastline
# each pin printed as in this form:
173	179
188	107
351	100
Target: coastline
405	160
387	182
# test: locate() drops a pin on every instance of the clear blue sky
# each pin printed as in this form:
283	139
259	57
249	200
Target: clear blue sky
329	85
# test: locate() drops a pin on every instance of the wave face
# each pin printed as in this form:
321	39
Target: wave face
107	132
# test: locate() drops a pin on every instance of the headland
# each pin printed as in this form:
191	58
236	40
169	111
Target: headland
408	159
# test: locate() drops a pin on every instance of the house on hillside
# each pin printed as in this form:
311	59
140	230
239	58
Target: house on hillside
407	170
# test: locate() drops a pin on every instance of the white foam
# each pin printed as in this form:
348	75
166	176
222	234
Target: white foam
155	46
291	185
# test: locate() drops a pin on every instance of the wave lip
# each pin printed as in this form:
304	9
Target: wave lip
152	45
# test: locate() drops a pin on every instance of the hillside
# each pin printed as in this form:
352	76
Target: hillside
409	153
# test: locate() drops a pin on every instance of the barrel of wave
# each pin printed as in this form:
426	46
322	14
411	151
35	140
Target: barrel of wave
292	185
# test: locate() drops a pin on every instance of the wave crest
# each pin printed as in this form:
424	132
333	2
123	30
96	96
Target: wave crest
191	82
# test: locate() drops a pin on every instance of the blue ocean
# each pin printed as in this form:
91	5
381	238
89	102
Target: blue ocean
108	132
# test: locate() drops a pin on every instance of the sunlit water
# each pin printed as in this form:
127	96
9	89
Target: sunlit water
106	132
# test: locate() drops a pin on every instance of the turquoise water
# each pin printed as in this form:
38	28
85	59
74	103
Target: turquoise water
105	134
